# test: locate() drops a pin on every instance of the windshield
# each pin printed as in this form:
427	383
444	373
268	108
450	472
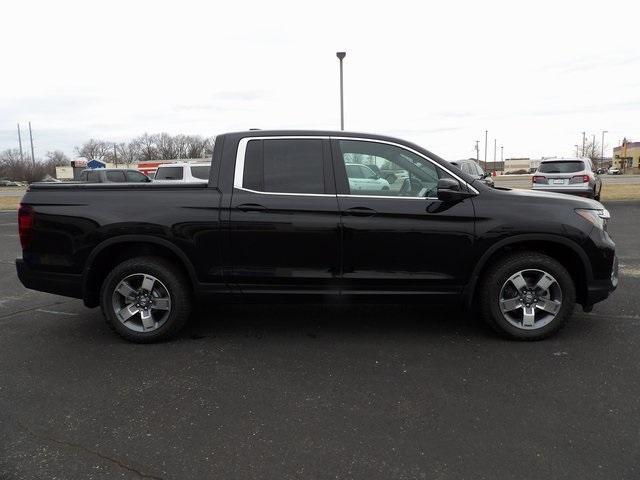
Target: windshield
169	173
561	167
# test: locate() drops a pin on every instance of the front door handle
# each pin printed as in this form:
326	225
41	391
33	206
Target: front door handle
360	211
251	207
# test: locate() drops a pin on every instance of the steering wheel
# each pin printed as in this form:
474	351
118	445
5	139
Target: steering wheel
405	189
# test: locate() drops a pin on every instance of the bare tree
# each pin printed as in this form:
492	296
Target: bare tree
129	152
57	158
195	146
148	150
12	167
165	146
94	150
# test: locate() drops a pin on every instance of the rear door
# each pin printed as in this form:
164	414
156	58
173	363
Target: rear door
402	240
283	230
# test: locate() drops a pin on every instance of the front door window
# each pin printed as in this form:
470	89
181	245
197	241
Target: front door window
381	169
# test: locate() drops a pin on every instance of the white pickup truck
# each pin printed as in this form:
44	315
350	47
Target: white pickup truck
183	172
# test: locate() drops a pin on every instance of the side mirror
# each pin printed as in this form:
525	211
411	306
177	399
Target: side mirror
449	190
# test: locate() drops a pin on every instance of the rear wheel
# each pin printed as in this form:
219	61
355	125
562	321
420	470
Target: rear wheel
146	299
527	296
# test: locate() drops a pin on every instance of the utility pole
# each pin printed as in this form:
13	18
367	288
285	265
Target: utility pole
341	56
20	143
477	151
495	148
33	157
115	155
577	156
602	150
583	140
502	155
486	132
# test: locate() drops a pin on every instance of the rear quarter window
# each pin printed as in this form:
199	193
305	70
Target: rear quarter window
561	167
201	171
169	173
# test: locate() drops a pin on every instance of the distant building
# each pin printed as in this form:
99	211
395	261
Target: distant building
626	157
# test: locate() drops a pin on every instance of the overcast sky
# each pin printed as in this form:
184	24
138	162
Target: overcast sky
534	74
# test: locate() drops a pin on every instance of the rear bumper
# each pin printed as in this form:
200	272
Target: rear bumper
583	191
65	284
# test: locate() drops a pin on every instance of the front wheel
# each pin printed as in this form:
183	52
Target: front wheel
146	299
527	296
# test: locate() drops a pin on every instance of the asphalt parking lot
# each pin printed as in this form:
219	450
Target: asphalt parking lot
319	392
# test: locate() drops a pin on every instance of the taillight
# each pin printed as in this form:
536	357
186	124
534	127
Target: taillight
538	179
580	179
25	225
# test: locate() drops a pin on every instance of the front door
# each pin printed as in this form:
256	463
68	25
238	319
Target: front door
401	239
284	221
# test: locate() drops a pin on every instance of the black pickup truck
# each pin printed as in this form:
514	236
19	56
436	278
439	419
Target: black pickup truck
292	215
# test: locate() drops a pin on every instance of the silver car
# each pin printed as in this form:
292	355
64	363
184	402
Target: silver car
567	175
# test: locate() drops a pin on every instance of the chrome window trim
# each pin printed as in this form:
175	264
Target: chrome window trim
346	195
242	148
287	193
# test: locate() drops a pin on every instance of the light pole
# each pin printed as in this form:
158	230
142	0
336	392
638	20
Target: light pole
577	146
495	151
20	143
341	56
486	133
583	140
477	151
602	149
33	157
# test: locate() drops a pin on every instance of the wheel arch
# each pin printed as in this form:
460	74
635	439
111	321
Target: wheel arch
113	251
565	251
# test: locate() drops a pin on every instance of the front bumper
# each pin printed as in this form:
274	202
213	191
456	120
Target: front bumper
65	284
599	290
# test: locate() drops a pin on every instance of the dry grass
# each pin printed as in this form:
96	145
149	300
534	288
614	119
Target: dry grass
620	192
9	203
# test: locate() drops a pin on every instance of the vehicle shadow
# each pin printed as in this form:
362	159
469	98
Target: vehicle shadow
316	320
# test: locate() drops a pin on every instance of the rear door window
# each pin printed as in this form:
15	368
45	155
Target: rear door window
284	166
114	176
169	173
561	167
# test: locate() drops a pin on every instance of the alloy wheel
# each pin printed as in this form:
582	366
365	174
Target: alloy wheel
141	302
530	299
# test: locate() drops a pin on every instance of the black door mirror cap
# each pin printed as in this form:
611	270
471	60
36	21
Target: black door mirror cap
449	190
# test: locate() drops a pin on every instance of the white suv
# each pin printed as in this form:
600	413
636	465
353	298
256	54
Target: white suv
183	172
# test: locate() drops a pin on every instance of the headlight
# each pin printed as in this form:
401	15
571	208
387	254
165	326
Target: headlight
597	217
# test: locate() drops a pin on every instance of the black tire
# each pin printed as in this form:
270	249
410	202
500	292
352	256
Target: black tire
171	278
499	273
597	197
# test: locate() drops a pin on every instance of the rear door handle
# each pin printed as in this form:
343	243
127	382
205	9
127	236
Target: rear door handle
251	207
360	211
